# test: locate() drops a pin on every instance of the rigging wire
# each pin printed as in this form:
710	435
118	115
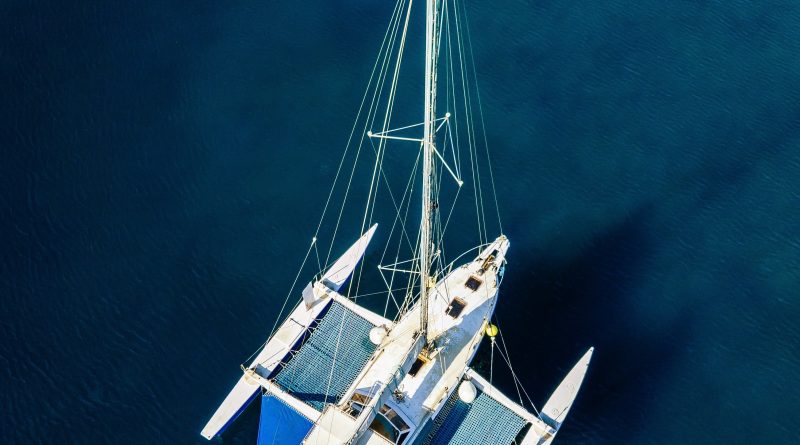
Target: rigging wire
286	300
358	116
361	142
373	105
382	54
517	381
483	123
474	166
407	192
377	171
465	59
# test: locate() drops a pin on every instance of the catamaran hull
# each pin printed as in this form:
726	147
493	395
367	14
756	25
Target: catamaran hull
316	298
557	407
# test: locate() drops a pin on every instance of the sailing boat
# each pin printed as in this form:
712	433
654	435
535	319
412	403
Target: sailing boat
336	372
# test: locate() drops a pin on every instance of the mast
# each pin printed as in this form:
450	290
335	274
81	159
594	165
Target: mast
426	242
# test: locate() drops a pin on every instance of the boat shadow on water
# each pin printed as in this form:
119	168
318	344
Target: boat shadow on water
588	299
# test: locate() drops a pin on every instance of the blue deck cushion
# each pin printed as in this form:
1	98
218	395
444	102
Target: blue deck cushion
330	360
280	424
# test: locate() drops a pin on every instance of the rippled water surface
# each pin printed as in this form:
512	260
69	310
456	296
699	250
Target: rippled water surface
164	163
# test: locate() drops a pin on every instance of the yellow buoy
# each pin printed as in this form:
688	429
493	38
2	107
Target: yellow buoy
491	330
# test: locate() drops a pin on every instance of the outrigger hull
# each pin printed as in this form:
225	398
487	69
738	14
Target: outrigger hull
557	407
288	335
247	388
493	417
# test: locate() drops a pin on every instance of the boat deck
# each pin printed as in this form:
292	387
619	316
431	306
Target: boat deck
475	286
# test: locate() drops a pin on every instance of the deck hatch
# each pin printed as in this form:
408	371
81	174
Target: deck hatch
473	283
456	307
418	364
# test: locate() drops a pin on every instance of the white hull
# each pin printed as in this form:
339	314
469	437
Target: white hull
557	407
315	299
247	387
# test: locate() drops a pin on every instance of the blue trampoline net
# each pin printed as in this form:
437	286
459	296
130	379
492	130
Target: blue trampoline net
484	420
330	360
280	424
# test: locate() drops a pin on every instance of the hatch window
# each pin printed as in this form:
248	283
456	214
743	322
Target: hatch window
456	307
390	425
418	364
357	403
473	283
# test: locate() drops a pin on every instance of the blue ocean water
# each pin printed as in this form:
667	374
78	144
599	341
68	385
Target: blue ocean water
163	166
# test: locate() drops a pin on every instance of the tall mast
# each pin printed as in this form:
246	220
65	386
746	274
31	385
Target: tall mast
426	244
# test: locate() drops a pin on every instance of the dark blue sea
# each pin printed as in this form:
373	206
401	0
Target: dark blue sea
164	165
